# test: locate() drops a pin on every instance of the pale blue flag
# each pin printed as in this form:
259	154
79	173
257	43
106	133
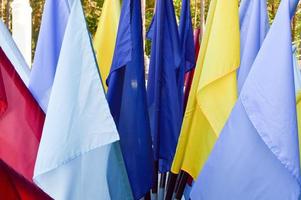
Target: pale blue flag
257	153
53	25
73	156
254	25
13	53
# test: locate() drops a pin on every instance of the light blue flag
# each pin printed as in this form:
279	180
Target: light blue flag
13	53
254	26
73	157
257	154
54	20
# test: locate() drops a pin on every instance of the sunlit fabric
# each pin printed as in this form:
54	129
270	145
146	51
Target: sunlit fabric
257	154
76	142
214	88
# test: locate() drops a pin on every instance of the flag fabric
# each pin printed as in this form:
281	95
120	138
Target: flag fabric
257	154
162	89
21	123
14	186
105	37
188	48
13	53
127	99
73	156
214	88
54	20
254	26
189	75
297	78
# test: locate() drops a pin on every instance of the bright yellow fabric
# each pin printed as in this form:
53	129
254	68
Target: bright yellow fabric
105	37
214	88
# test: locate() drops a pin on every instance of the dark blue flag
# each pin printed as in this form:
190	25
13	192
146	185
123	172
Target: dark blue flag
127	99
187	46
163	96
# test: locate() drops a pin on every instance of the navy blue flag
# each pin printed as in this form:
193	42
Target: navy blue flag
187	46
163	97
127	99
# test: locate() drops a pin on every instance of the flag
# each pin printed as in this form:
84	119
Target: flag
163	98
187	46
76	142
214	88
127	99
21	123
254	26
105	37
257	154
189	75
297	78
54	20
13	53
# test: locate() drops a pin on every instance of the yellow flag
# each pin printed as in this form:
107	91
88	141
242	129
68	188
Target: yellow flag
214	88
299	119
105	37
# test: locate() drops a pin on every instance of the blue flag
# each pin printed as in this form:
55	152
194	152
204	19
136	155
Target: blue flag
254	26
14	55
187	47
54	20
127	99
257	154
163	97
74	153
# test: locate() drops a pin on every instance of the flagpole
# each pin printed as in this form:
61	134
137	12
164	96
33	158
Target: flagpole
155	186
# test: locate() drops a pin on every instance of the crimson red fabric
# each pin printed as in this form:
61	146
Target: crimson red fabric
189	75
21	124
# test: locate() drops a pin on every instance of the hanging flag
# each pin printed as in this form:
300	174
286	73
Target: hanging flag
21	123
189	75
254	26
163	98
257	154
105	37
54	20
214	88
187	46
13	53
127	99
76	142
297	78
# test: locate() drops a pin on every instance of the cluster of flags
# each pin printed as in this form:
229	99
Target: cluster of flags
83	123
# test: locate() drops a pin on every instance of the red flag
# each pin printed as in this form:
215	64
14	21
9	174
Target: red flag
21	124
189	75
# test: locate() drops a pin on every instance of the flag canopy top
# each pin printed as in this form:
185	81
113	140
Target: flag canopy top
258	147
127	99
209	105
73	155
163	98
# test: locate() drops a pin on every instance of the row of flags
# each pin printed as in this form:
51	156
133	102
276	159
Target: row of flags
83	125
